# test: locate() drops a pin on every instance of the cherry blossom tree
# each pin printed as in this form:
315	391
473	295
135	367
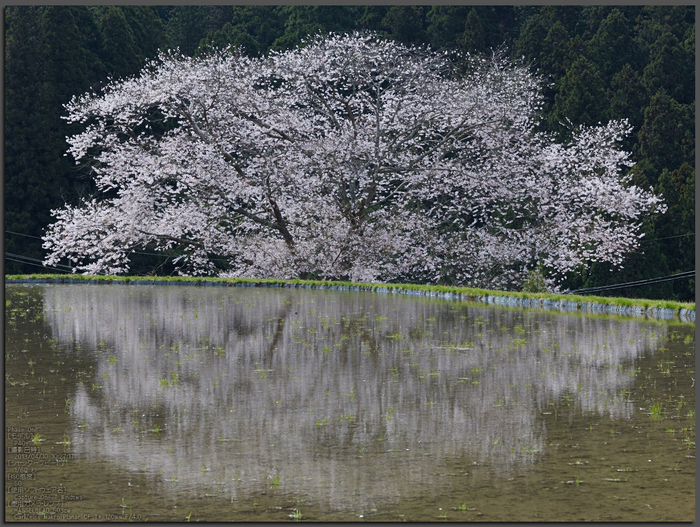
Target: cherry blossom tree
350	157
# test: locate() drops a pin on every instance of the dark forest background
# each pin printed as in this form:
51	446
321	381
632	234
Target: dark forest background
602	62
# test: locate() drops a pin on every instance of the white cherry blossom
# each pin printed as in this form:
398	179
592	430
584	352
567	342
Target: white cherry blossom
350	158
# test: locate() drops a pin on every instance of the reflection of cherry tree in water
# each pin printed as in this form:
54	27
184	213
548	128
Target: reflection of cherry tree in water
298	380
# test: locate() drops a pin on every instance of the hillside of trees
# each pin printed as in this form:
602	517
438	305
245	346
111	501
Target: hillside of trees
601	63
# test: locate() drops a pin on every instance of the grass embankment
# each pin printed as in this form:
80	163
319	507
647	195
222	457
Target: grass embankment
468	291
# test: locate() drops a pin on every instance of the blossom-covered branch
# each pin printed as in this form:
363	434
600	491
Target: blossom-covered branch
351	158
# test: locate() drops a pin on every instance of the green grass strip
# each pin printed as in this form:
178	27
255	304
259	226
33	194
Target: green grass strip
467	291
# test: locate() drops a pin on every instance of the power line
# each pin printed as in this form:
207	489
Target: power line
27	235
679	276
27	262
30	259
39	238
161	255
587	290
666	237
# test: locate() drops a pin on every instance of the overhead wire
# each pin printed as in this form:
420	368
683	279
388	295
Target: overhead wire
645	239
650	281
668	278
161	255
27	235
34	261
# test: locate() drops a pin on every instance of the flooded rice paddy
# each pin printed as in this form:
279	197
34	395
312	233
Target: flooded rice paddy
244	404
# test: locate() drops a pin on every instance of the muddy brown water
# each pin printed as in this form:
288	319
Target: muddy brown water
242	404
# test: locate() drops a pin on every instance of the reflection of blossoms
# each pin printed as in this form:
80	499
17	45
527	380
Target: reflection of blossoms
300	381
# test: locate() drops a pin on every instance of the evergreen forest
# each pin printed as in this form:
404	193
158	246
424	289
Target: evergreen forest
600	63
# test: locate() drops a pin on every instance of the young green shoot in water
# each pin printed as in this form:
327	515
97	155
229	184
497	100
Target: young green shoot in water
679	404
174	380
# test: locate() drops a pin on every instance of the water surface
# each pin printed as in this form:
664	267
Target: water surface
219	404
